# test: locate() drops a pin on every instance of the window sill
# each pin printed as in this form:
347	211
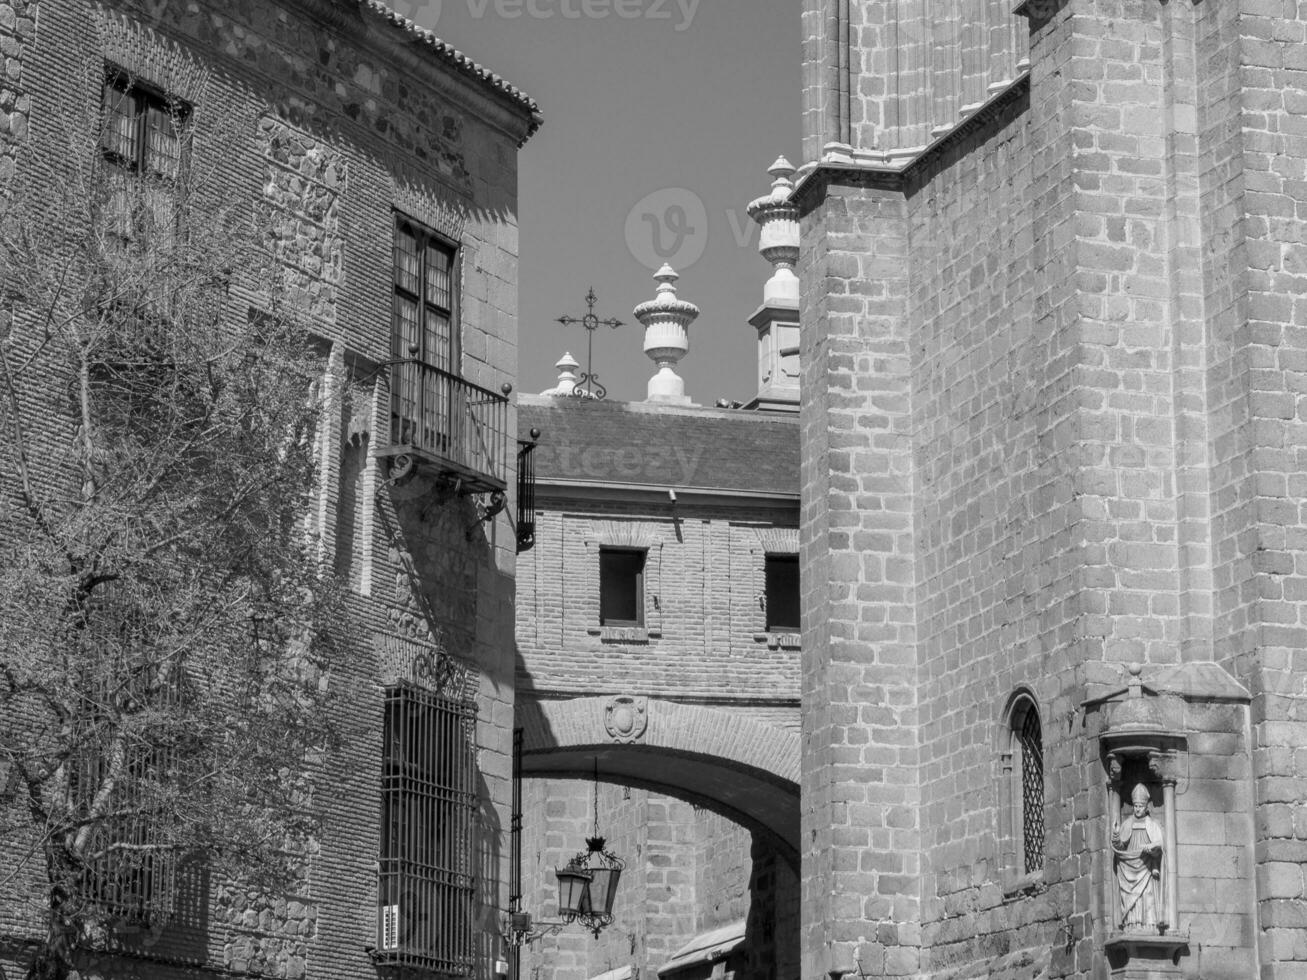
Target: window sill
624	634
1019	886
779	641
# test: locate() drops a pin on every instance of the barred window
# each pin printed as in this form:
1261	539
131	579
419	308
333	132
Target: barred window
143	138
130	873
120	778
428	802
1028	770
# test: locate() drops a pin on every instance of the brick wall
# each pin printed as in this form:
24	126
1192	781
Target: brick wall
704	620
336	118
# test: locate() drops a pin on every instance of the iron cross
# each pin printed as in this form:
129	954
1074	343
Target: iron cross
588	385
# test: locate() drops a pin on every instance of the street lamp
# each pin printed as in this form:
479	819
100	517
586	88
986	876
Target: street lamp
587	884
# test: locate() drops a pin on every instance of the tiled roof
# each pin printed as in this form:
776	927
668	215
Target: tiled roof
448	53
586	441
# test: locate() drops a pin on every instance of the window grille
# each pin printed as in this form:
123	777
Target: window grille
428	802
130	861
1031	743
143	138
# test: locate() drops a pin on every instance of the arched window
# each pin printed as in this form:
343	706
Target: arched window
1023	762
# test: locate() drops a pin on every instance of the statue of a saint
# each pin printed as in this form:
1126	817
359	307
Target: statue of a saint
1138	850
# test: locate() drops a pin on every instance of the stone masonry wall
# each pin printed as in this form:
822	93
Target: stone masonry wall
861	820
688	870
337	118
1103	289
1259	367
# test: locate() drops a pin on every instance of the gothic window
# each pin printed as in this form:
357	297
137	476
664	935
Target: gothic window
1026	745
428	805
781	598
621	586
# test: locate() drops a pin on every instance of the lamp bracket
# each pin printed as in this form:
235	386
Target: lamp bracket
519	929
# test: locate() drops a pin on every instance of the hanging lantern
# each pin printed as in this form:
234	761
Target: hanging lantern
587	885
573	890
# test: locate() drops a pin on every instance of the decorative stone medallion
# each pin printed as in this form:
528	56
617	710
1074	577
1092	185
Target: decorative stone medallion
627	718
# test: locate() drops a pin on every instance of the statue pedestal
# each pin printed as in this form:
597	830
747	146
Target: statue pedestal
1144	956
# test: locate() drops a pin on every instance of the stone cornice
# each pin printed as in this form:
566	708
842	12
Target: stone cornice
893	169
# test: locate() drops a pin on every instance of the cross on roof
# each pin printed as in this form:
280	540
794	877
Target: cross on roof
587	385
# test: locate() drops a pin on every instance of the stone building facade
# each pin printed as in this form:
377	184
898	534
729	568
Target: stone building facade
1053	507
363	136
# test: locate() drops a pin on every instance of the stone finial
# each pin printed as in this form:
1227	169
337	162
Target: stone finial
666	321
779	239
567	380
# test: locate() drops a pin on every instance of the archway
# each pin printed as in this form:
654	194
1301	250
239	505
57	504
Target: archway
729	763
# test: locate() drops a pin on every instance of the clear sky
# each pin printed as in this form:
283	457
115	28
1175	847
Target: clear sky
677	106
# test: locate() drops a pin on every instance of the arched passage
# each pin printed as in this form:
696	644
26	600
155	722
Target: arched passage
744	769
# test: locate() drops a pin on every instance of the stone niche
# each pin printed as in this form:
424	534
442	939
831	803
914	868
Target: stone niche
1175	868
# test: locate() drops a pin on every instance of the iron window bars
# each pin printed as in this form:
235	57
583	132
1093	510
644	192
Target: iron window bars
428	803
143	139
1032	790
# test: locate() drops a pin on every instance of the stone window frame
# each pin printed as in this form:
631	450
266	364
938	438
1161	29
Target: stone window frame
1014	810
780	541
631	537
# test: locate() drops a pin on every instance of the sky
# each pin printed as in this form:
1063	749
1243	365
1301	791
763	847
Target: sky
660	117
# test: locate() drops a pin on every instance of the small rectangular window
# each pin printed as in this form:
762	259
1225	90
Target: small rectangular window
621	587
782	593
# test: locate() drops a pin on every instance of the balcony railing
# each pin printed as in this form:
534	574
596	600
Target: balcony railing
451	425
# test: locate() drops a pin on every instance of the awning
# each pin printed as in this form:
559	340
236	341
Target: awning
707	947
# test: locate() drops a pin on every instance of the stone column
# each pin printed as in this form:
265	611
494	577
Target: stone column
1164	766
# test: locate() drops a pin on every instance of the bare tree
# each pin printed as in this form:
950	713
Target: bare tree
166	628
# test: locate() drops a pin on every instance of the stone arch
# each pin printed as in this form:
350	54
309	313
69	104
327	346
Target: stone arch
742	768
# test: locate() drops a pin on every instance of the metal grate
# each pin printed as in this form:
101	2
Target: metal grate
428	802
1032	790
526	497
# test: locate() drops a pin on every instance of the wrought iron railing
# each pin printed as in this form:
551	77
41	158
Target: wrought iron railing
443	419
526	496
